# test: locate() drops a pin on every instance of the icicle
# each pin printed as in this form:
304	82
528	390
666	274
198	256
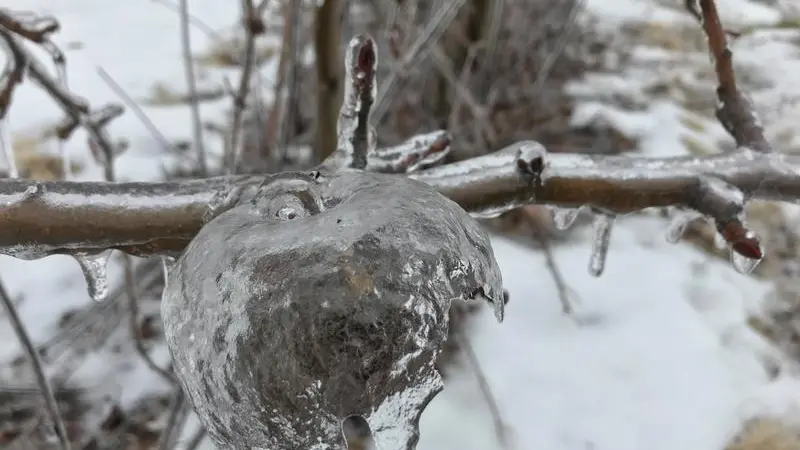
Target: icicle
678	224
8	147
601	229
95	270
564	218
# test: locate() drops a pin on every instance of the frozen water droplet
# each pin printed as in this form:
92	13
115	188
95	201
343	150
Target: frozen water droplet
742	263
95	270
601	229
678	224
564	217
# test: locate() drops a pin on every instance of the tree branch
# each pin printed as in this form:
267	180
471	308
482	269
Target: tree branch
39	218
735	111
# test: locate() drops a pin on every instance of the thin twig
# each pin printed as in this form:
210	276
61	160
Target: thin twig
550	262
133	306
194	20
288	100
76	108
543	73
38	369
191	83
486	390
418	51
197	439
179	412
253	26
13	72
735	111
133	106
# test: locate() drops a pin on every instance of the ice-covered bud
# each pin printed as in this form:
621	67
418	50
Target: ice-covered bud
281	326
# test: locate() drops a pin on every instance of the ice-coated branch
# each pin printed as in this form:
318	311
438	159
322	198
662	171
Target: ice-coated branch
40	218
13	72
492	184
356	135
735	111
421	150
37	29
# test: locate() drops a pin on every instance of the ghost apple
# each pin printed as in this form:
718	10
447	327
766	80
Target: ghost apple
322	299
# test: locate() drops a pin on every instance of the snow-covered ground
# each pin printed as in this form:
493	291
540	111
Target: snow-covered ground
658	355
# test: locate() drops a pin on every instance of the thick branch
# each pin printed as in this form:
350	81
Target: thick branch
41	218
618	184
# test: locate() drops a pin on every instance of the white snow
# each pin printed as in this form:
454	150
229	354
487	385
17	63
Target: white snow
640	368
658	355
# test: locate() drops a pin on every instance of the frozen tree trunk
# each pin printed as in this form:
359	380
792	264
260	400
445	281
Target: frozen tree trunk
291	313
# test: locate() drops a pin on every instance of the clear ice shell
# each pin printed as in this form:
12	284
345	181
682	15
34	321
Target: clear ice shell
95	271
302	323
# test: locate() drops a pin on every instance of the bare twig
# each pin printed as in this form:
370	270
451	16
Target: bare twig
289	98
254	26
327	31
500	429
197	439
37	29
13	75
274	123
550	262
131	104
490	42
76	108
133	306
38	369
191	84
13	72
175	422
194	20
428	39
735	111
543	73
